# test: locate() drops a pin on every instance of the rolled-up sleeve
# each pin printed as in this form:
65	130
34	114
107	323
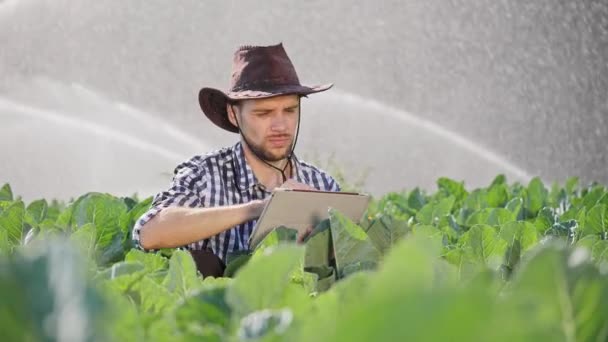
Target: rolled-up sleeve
187	189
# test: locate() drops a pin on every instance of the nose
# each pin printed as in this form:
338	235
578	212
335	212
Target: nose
279	123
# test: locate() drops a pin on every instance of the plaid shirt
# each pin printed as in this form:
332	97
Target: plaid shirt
223	178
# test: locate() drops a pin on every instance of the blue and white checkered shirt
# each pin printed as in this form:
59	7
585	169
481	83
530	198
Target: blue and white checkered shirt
223	178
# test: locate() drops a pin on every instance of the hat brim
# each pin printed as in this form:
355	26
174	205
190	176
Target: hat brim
213	101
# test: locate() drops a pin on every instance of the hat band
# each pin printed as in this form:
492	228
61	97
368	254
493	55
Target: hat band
266	83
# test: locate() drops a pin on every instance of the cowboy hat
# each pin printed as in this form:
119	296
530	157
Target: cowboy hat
257	72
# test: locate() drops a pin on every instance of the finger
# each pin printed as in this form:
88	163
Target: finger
300	238
304	234
292	183
300	186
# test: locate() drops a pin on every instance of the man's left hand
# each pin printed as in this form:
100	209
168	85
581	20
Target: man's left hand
302	235
295	185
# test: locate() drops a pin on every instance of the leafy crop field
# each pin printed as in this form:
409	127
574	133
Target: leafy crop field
509	262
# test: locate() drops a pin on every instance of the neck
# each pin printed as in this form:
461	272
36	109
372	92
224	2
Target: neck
265	174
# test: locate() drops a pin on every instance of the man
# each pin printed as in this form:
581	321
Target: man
214	200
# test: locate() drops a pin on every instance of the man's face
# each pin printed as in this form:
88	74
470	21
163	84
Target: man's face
269	125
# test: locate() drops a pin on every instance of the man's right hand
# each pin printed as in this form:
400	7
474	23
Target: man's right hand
257	207
178	226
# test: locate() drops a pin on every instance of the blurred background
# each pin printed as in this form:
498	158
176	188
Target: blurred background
102	95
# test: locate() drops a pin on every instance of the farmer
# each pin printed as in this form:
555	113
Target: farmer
215	199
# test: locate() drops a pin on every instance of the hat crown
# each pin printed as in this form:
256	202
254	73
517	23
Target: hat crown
261	68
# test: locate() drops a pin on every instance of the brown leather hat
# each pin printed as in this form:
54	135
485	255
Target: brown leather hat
257	72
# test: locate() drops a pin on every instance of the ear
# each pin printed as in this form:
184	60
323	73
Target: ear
231	114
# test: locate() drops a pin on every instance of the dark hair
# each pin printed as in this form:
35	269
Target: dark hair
237	103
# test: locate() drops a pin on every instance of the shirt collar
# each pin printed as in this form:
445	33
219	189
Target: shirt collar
299	174
247	179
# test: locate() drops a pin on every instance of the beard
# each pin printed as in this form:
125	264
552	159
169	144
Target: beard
267	155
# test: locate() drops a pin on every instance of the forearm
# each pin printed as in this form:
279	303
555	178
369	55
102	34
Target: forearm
179	226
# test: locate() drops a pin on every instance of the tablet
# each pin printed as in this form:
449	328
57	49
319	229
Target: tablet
300	209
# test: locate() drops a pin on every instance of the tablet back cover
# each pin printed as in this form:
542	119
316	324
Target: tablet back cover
300	209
